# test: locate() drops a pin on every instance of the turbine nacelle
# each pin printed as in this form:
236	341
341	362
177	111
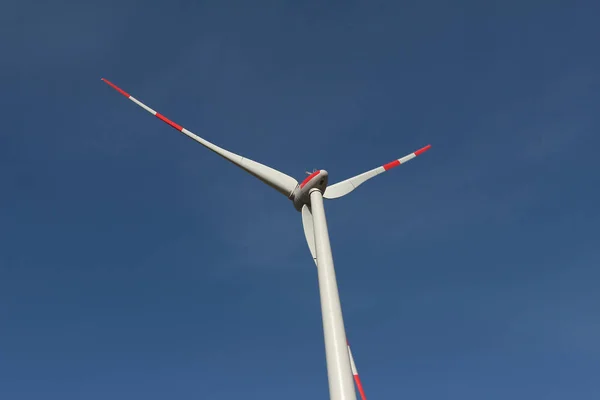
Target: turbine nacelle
316	180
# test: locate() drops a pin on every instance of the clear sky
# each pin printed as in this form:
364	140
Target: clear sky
135	264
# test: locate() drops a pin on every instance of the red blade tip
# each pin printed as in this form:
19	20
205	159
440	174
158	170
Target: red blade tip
118	89
423	150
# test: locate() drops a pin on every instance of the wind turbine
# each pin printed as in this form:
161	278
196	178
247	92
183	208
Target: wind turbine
307	197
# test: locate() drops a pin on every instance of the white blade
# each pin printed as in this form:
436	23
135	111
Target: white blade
309	232
344	187
278	180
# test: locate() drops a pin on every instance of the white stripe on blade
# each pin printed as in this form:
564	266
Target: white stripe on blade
145	107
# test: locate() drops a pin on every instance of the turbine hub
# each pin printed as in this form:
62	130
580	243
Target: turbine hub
315	180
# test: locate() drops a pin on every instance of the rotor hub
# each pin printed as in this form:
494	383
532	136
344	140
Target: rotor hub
316	180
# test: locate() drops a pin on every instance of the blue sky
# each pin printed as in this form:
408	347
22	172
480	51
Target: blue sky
136	264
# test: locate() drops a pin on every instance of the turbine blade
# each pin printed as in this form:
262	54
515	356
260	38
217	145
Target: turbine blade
344	187
309	232
355	374
281	182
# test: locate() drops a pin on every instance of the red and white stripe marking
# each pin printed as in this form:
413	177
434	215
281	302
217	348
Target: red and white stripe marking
355	374
404	159
151	111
